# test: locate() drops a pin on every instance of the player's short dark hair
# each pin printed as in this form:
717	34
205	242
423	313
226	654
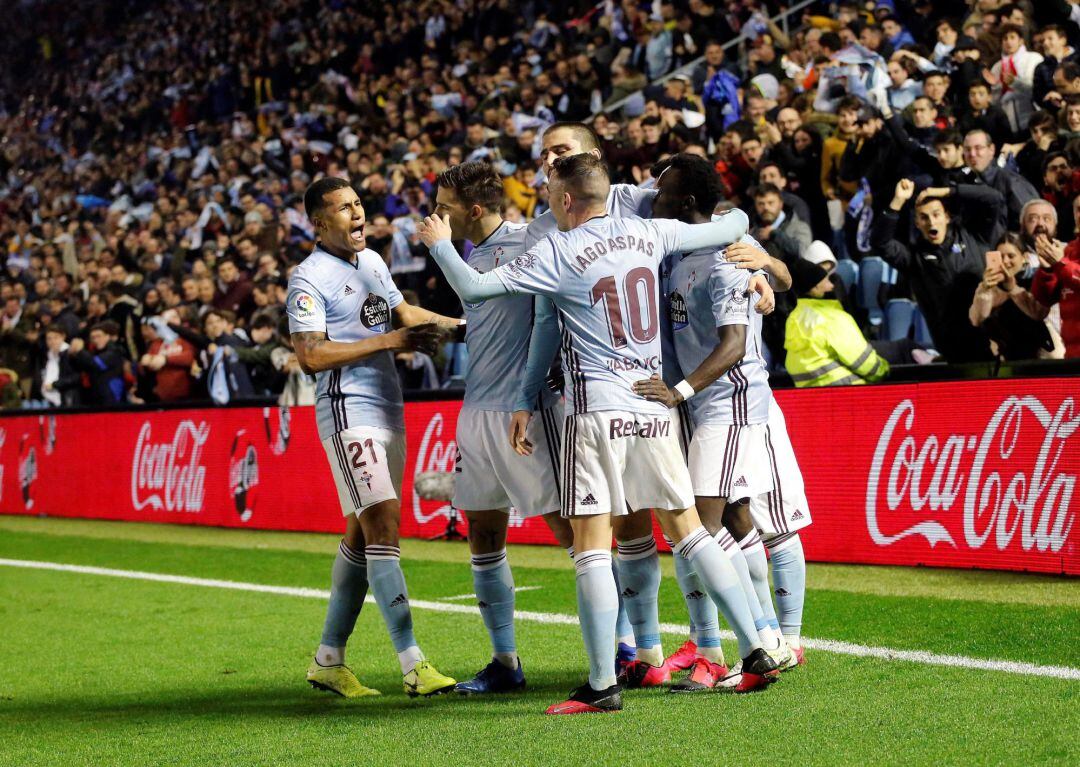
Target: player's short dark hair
56	329
697	177
585	175
1007	28
1056	29
935	73
475	183
769	164
585	135
317	190
978	84
763	190
116	289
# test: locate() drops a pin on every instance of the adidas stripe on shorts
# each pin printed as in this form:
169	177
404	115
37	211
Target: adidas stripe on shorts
489	474
784	509
367	463
615	459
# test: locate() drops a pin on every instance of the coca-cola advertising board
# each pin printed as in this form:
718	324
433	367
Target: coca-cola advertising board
973	474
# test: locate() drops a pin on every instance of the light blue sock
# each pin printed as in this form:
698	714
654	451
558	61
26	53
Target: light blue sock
720	580
754	553
348	587
624	630
598	606
494	585
388	585
638	566
789	577
704	620
738	561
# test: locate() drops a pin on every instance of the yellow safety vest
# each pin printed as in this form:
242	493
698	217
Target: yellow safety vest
826	348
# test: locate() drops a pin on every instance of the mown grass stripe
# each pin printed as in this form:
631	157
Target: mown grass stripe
825	645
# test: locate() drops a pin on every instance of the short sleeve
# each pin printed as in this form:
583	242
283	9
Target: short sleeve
729	288
667	232
305	306
633	200
393	295
536	271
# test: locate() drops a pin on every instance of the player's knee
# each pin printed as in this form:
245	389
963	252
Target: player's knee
380	524
487	531
560	528
737	520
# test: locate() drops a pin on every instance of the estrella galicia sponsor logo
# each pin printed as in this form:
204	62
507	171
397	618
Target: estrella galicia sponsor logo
680	318
374	312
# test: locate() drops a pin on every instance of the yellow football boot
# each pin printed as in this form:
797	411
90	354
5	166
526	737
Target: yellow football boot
337	679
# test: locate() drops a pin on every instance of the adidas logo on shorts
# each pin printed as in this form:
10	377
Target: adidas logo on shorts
482	605
589	500
782	592
629	592
399	600
797	515
695	595
348	290
740	482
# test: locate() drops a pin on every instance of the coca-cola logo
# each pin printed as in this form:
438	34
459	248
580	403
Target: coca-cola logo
433	455
1007	481
169	475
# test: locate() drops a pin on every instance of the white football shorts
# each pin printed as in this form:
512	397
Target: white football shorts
615	459
489	474
367	463
784	509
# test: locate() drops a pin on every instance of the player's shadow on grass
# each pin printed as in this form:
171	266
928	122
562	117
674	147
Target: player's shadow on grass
285	701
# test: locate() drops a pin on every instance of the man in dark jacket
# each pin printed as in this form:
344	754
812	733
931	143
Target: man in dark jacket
980	155
945	263
103	362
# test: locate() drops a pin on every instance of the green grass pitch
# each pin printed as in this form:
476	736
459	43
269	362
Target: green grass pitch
110	671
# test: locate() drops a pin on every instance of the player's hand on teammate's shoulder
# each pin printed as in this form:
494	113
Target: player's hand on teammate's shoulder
655	390
433	229
759	284
418	338
519	422
746	256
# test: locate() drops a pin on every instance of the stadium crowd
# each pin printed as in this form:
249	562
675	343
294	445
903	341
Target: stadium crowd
915	163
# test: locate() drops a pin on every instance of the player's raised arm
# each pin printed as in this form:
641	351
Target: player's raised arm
728	228
469	284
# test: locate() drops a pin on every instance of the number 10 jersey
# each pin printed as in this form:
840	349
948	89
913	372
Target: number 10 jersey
602	278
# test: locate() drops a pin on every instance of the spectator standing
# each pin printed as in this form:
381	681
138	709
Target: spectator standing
1057	282
169	357
945	263
59	382
980	155
102	363
1014	78
1004	307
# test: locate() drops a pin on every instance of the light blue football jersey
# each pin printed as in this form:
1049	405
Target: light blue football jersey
703	292
350	302
623	200
602	278
497	331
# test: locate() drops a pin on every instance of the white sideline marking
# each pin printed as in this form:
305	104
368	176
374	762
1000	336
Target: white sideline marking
826	645
464	597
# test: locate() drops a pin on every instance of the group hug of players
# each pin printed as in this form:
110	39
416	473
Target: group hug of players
653	304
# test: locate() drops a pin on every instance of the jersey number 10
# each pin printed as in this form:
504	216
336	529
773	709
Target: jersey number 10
638	280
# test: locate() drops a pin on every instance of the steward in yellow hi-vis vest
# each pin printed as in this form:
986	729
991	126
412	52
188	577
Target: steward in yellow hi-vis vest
824	344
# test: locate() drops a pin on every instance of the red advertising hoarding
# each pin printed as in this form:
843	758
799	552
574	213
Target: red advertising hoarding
978	474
